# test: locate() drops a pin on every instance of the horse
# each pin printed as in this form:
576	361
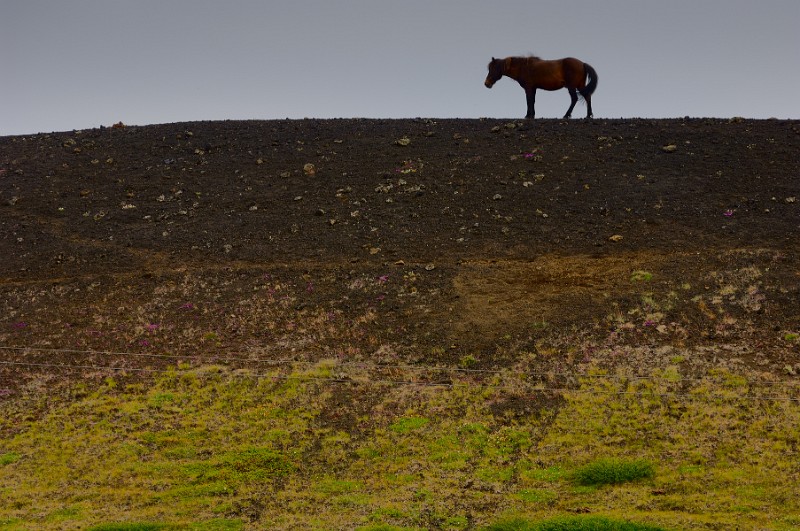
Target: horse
535	73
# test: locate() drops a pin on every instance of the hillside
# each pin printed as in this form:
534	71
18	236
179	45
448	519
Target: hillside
415	292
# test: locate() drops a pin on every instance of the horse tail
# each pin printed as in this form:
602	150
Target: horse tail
591	76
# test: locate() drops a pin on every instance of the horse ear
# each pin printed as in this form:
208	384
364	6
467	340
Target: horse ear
493	59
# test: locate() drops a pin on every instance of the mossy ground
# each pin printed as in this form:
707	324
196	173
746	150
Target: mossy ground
209	448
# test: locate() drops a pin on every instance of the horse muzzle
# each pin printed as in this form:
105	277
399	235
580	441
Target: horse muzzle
488	83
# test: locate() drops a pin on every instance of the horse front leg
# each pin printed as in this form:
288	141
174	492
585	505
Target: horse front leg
530	96
573	94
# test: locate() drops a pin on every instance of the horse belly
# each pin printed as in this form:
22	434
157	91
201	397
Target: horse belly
549	77
553	84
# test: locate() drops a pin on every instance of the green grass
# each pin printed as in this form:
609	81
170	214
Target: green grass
407	424
255	464
613	472
571	523
641	276
227	448
129	527
537	495
211	525
7	459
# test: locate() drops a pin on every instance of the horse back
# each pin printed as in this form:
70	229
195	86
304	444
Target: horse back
557	74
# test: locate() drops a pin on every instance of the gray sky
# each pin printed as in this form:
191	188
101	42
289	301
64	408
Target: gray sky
74	64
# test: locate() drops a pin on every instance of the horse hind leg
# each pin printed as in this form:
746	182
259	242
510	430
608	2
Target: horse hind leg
574	97
587	97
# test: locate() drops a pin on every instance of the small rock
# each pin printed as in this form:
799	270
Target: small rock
497	197
429	267
671	148
615	238
310	169
403	141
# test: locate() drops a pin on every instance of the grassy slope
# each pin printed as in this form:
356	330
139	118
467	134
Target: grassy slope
209	448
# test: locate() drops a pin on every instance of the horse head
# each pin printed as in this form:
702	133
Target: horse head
495	72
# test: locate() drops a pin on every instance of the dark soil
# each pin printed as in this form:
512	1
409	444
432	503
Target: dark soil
426	242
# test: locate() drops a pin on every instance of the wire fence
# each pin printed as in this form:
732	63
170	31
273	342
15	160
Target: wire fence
239	357
532	379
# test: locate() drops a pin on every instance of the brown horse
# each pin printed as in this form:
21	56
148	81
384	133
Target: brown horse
534	73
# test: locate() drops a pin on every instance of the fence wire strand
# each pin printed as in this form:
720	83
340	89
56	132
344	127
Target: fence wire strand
534	387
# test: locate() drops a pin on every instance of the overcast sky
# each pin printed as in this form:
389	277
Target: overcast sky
75	64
